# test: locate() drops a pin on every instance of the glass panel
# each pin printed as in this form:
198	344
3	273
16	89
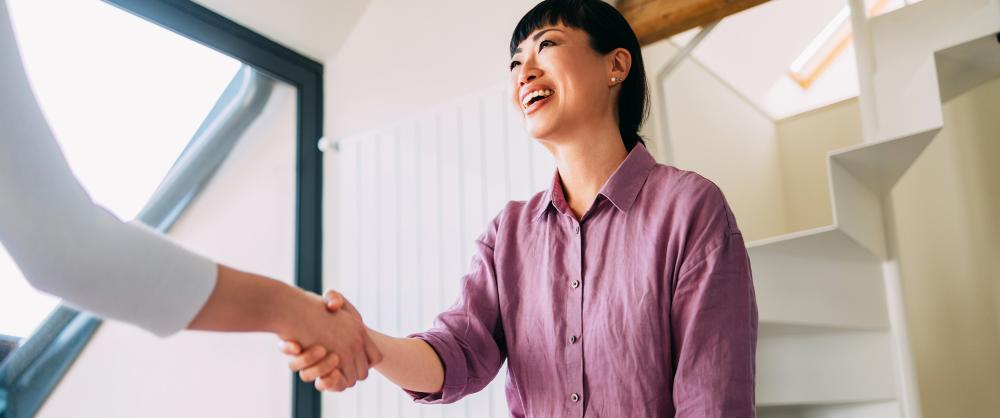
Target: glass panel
126	98
123	101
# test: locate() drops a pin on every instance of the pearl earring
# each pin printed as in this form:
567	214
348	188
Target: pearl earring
614	79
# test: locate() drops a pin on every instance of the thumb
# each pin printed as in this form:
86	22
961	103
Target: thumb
334	300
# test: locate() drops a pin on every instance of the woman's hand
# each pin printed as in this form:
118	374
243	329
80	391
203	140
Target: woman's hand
246	302
316	363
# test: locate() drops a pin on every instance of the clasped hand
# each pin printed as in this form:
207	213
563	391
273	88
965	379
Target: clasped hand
328	370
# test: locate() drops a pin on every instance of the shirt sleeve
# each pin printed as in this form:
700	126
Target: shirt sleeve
714	322
468	337
66	245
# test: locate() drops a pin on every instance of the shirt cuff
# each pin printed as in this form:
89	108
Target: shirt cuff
456	372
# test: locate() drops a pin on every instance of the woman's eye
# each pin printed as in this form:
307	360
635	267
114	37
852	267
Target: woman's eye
545	43
514	64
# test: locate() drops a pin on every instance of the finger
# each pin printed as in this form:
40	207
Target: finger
349	368
361	360
322	368
291	348
334	382
372	351
334	300
310	357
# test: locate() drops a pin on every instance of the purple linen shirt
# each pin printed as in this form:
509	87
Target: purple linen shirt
643	308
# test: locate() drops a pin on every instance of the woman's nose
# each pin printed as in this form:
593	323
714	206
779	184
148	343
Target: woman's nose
528	75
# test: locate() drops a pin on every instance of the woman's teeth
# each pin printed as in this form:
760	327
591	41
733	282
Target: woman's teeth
540	94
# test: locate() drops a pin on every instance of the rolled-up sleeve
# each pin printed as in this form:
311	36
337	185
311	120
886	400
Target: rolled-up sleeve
714	325
468	337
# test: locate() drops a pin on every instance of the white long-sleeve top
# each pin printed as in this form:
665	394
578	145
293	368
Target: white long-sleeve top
68	246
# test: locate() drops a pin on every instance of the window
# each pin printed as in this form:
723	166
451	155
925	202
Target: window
27	379
123	102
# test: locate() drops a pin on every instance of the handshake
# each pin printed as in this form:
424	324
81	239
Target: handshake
341	356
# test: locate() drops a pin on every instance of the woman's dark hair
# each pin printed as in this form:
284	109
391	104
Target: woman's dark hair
608	30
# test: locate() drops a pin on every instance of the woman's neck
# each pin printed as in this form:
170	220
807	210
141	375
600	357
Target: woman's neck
585	165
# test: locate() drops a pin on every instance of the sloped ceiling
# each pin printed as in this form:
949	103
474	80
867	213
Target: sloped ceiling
314	28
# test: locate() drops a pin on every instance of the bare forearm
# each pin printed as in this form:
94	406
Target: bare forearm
409	362
246	302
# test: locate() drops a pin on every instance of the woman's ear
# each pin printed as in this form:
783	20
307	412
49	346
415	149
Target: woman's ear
620	62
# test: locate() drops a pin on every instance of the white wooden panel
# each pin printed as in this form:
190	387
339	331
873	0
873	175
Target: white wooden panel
543	167
497	181
450	163
518	151
349	233
387	234
474	217
498	396
368	299
429	227
413	199
409	242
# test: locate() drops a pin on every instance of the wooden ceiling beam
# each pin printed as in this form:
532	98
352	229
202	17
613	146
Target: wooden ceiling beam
654	20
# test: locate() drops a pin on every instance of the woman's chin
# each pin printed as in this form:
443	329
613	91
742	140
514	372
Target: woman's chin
540	129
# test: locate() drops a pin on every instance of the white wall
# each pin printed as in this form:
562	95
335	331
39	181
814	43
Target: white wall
948	236
394	93
245	218
716	132
805	140
412	198
406	56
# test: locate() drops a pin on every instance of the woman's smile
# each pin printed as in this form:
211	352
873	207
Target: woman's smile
535	101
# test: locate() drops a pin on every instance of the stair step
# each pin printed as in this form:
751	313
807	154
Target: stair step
883	409
820	280
825	368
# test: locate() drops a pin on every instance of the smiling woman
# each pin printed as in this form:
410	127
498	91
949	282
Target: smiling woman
598	28
624	289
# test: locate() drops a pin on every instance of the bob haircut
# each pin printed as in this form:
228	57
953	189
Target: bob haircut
607	30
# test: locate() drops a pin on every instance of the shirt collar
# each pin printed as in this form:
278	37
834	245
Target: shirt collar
621	189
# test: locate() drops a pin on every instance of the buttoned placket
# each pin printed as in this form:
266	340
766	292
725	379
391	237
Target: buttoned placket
574	394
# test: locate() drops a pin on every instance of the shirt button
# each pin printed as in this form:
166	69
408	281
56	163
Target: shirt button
577	229
574	397
575	284
572	339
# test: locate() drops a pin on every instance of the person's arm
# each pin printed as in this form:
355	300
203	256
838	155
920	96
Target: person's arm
456	358
68	246
410	363
713	318
244	302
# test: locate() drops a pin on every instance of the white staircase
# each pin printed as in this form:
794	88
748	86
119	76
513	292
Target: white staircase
833	340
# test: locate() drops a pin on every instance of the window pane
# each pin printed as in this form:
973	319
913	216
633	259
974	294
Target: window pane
123	97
